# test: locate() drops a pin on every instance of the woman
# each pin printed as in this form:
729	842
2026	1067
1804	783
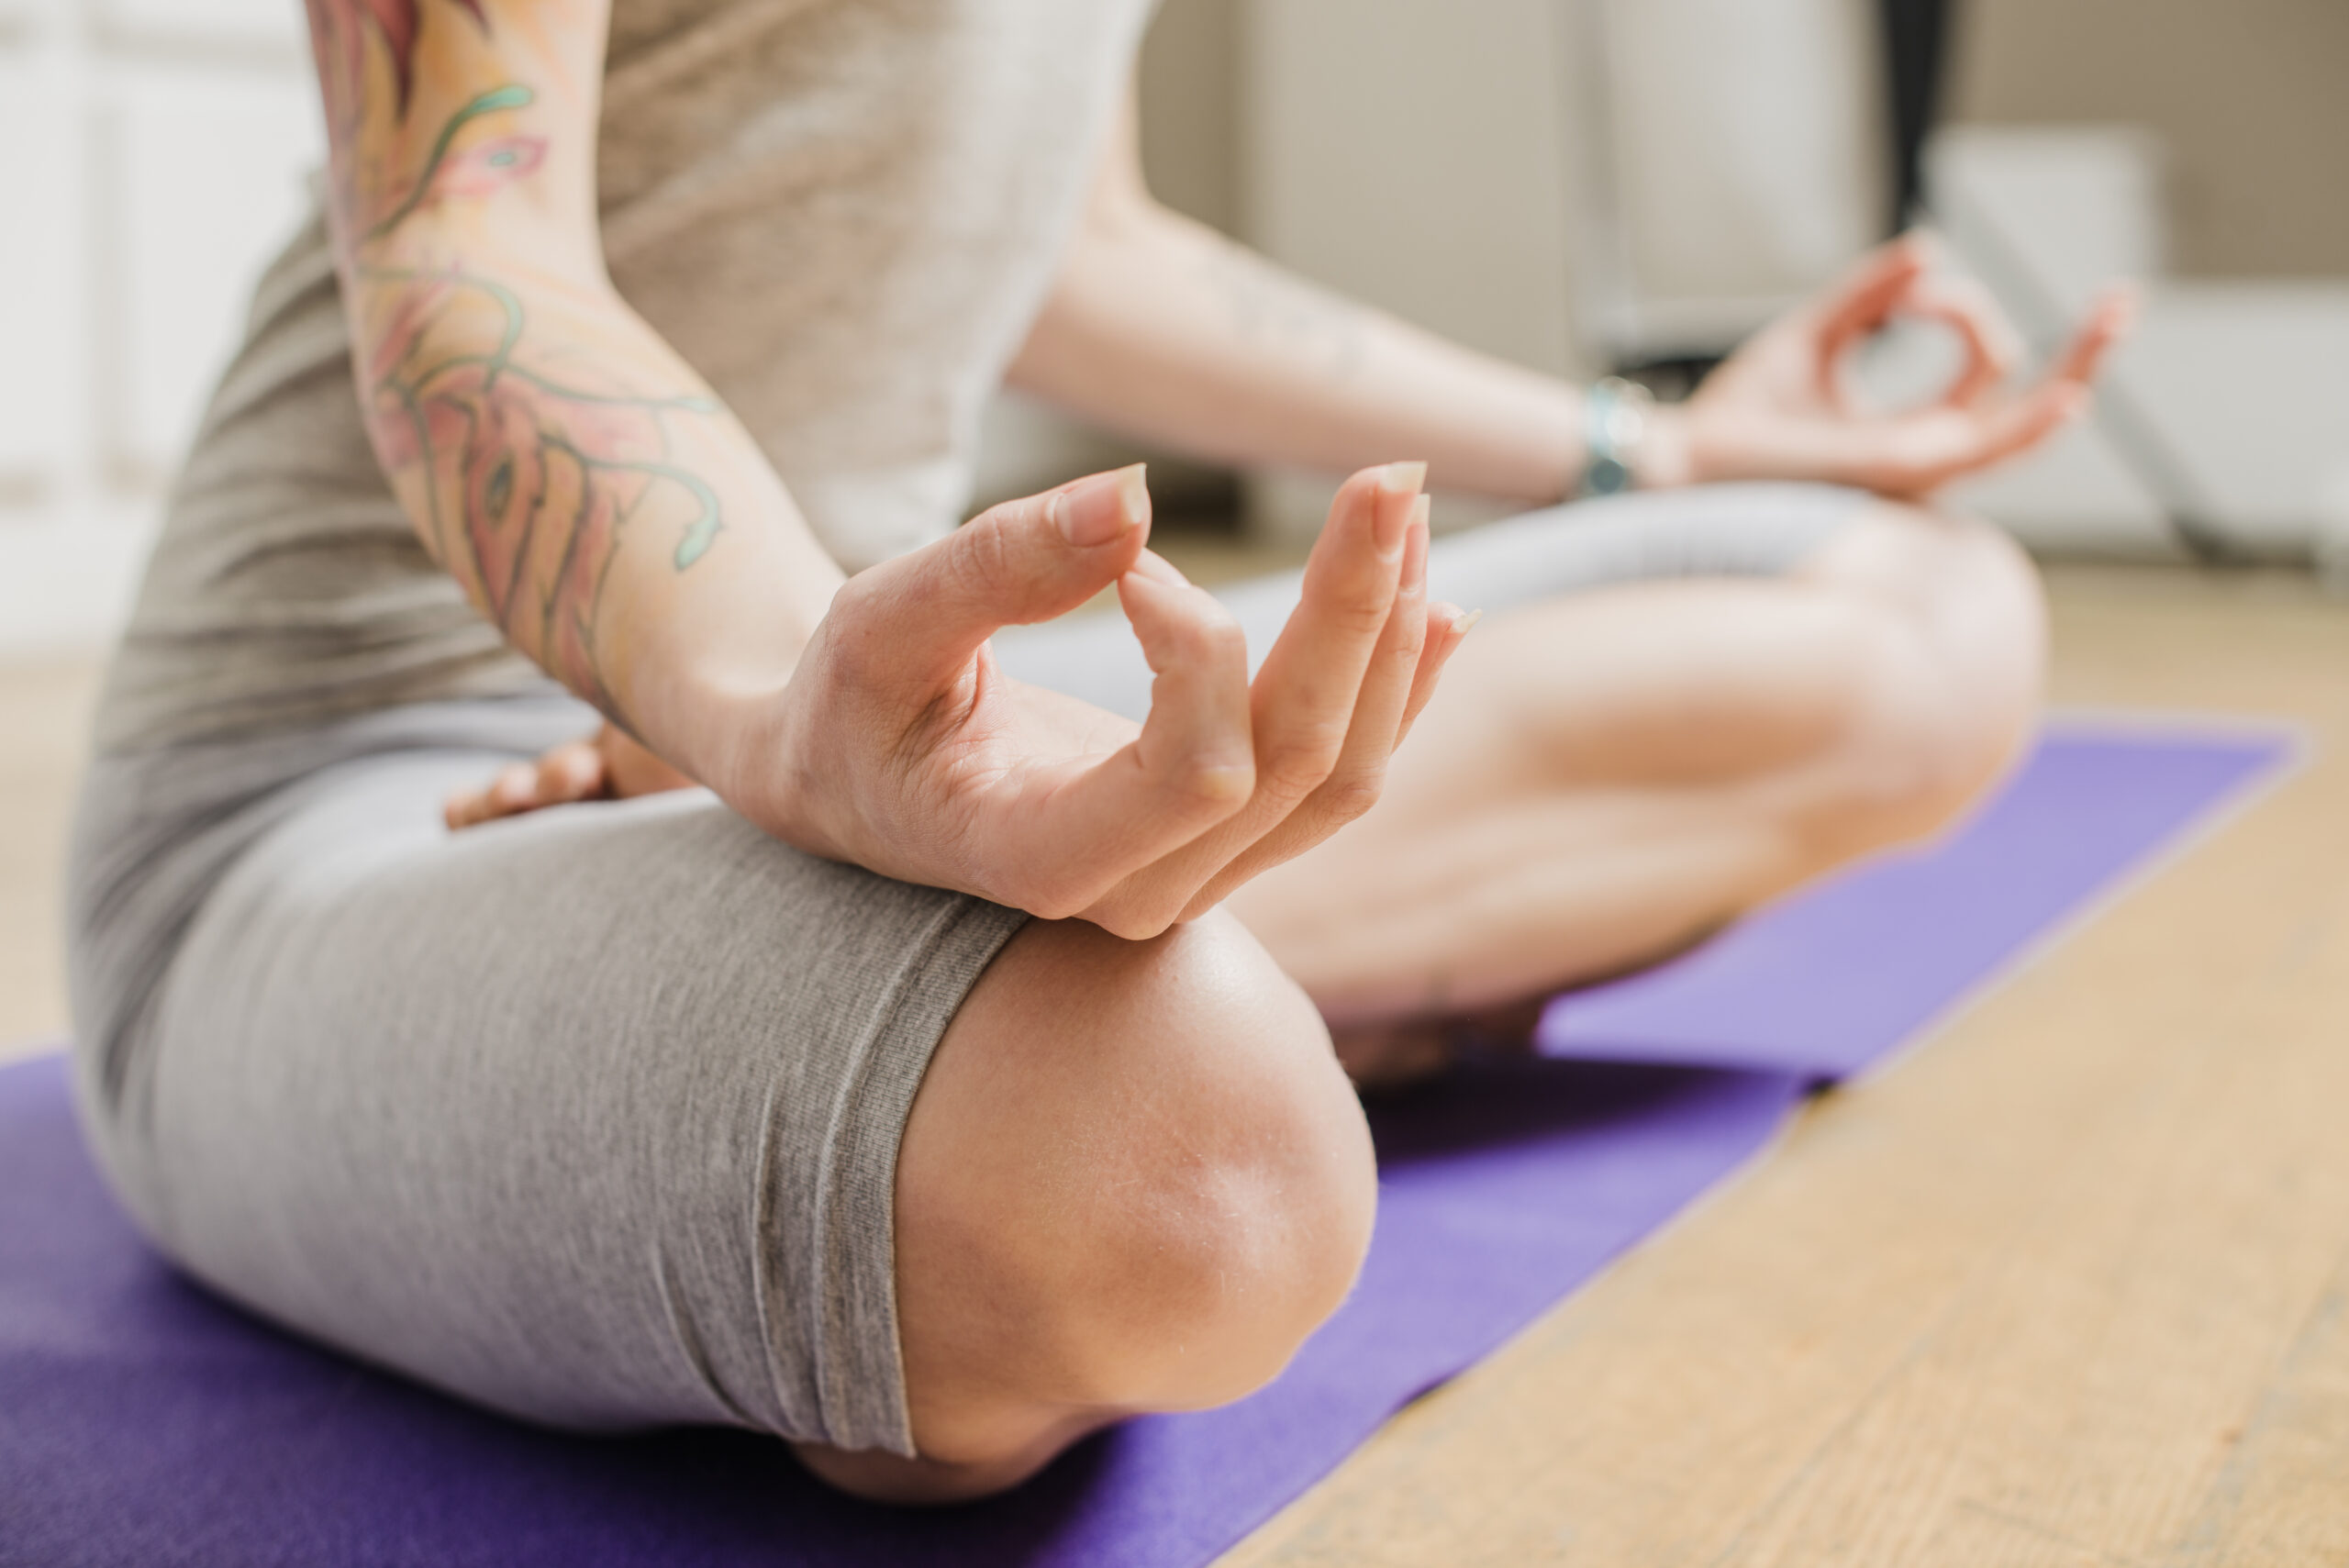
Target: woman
914	1093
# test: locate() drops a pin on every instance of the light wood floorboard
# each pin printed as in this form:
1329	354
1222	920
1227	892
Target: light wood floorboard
2067	1284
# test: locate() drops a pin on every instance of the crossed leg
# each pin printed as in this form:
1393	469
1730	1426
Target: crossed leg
1133	1179
552	1072
1606	776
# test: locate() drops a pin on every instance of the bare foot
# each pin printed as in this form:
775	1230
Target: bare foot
1383	1057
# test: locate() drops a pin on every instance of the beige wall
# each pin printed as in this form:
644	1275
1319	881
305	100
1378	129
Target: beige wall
1190	108
2250	95
1415	155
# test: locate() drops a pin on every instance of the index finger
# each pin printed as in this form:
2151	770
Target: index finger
1860	302
2061	396
1305	693
1380	706
1301	704
2109	320
1992	346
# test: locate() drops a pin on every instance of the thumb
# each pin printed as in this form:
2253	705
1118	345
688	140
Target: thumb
1014	564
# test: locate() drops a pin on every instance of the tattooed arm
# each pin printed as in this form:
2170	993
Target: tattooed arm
1164	329
600	505
593	497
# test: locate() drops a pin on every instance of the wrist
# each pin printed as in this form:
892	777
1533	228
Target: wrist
727	733
707	713
1667	458
710	675
1632	442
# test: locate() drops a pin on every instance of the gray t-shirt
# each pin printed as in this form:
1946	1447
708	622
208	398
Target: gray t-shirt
843	213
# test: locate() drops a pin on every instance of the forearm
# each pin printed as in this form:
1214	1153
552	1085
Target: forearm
1162	327
591	497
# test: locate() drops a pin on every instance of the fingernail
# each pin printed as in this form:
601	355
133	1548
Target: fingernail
1096	510
1415	547
1404	478
1462	625
1391	523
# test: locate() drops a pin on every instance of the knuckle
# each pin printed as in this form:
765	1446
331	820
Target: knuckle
1302	757
855	634
1363	613
1222	779
1060	893
1284	794
1350	794
857	598
984	565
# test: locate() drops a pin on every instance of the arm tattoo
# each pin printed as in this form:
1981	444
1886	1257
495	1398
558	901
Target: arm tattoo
526	450
1270	309
397	22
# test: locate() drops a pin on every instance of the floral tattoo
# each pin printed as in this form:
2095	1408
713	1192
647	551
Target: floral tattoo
525	458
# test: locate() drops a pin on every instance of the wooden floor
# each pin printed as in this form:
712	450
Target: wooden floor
2068	1285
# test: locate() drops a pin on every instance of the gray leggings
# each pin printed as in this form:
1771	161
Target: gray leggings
593	1116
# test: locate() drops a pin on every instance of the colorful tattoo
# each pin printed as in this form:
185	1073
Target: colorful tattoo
396	22
524	437
477	171
529	476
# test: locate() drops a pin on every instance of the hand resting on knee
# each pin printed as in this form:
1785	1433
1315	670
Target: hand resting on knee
1135	1177
899	746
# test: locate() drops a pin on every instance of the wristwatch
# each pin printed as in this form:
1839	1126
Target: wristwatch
1614	420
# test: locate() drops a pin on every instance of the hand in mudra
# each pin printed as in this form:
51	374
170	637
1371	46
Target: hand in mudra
900	746
1780	407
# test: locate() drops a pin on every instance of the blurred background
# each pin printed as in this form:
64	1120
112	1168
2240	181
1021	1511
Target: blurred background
1583	186
1580	184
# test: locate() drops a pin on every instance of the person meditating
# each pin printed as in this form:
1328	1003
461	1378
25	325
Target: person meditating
952	1073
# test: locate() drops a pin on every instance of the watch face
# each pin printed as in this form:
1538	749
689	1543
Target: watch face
1607	476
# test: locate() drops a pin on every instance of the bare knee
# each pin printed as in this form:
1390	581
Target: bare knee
1134	1179
1947	647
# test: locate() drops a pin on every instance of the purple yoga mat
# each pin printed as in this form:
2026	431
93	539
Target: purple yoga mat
1832	978
143	1421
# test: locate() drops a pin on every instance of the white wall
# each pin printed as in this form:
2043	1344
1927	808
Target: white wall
152	153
